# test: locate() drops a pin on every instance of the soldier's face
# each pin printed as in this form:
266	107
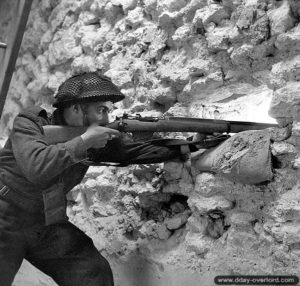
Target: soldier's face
97	112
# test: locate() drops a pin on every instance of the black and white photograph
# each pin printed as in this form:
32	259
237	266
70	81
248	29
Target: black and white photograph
149	142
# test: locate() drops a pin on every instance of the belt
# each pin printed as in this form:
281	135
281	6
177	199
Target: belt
18	200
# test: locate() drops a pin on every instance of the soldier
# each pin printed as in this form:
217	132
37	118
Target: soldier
35	178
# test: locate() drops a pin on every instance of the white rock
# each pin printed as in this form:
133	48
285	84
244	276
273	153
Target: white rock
289	41
289	233
91	184
287	206
207	184
135	17
55	80
150	6
83	64
2	141
197	224
183	33
285	101
112	12
296	128
87	18
281	19
213	13
240	56
284	71
46	39
63	48
217	39
202	204
88	36
281	148
240	218
121	78
296	163
198	243
126	4
171	5
162	231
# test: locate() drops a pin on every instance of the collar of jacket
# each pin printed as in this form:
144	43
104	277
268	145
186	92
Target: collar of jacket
57	118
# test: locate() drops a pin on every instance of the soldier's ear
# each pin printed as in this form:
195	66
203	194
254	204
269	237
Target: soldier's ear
76	108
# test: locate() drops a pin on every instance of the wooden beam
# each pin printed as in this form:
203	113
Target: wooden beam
16	31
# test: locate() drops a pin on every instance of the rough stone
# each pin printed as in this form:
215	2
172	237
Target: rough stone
280	148
197	224
241	55
217	39
121	78
176	221
240	219
281	19
213	13
182	34
289	41
88	37
162	231
83	64
126	5
285	101
287	207
285	71
198	244
171	5
207	184
63	48
202	204
135	17
288	233
246	18
296	163
280	134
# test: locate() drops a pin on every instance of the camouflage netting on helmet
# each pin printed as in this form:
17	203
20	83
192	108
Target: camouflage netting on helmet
87	87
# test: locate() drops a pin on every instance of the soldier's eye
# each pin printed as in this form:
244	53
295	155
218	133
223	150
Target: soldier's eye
102	109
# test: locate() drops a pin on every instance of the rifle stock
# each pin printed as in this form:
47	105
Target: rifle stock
58	134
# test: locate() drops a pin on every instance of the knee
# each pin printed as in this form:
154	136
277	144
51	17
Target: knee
103	271
104	264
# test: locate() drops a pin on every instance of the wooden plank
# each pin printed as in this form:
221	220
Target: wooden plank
13	46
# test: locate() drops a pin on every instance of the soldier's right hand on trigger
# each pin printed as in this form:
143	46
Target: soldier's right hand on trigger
97	136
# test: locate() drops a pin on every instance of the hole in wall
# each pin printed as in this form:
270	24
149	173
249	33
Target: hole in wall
216	224
166	209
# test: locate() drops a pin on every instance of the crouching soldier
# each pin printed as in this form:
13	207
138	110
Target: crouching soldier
35	178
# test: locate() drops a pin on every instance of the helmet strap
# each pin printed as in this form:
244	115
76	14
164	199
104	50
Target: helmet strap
85	120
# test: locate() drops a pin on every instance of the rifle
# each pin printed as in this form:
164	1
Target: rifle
136	123
249	164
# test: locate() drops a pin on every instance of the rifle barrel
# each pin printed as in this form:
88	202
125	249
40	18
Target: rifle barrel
182	124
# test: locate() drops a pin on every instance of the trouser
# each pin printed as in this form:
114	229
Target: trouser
61	251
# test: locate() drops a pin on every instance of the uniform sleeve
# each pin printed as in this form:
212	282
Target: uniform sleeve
134	153
39	161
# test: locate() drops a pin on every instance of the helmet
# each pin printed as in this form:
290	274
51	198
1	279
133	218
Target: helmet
87	87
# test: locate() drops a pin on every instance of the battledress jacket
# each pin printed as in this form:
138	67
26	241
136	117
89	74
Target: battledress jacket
30	167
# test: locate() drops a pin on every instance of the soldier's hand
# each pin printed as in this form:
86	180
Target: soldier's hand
97	136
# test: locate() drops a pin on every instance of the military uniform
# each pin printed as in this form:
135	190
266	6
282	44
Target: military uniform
28	166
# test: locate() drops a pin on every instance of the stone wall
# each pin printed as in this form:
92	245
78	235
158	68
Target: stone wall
165	224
